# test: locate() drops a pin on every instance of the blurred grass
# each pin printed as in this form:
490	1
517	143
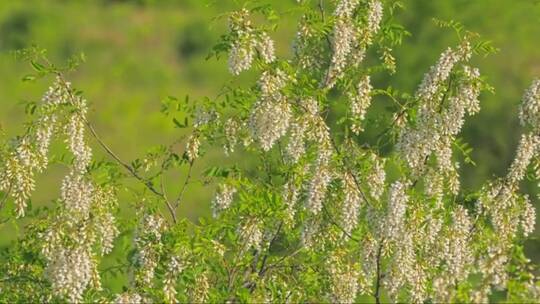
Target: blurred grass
139	52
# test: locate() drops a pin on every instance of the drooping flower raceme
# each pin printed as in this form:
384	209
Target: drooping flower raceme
271	114
246	42
360	102
223	199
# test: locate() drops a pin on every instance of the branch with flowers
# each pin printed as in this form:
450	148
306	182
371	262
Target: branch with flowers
325	215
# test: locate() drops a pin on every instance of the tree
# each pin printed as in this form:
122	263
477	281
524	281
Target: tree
327	216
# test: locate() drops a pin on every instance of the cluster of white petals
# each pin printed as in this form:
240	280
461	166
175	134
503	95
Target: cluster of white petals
290	198
456	256
200	292
70	272
440	116
231	129
529	110
148	244
405	271
130	297
374	18
344	280
296	146
17	175
84	221
192	147
246	43
376	177
430	88
222	199
306	49
271	114
359	103
250	234
397	206
349	41
174	269
528	147
351	203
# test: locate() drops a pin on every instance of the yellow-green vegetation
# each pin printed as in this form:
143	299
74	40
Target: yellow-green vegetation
138	53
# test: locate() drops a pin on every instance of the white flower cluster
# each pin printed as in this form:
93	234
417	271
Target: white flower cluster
321	170
17	176
397	206
200	293
296	147
405	271
306	46
456	255
68	247
376	177
306	126
250	234
349	42
77	194
192	147
527	219
317	188
222	199
374	18
148	244
430	88
246	42
290	198
359	103
131	298
84	222
508	212
344	280
17	179
231	128
440	120
271	114
368	261
106	231
174	269
529	146
351	204
529	110
70	272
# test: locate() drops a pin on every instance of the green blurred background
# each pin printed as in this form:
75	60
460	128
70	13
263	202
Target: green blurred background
139	52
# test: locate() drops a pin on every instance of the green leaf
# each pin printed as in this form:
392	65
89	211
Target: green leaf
38	66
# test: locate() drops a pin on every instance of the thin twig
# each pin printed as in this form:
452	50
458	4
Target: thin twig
172	210
184	186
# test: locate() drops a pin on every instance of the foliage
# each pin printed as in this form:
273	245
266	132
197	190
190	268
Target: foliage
325	217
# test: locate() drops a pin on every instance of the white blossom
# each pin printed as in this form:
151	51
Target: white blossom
250	234
174	268
344	280
192	147
376	177
266	48
131	298
271	114
397	206
528	147
529	111
351	203
223	198
360	102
